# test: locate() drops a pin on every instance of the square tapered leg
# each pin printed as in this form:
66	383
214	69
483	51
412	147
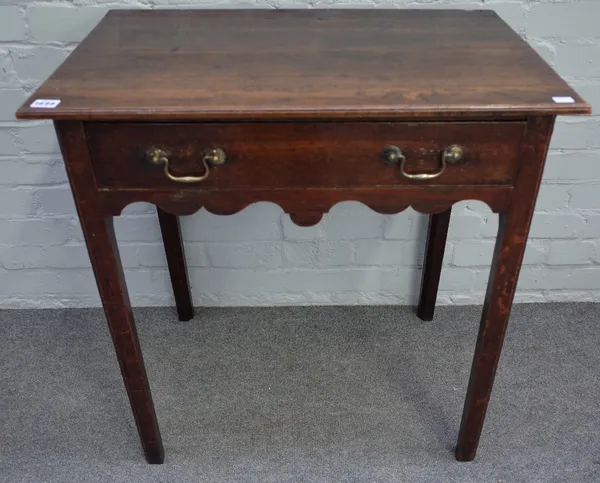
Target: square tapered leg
511	242
99	233
171	234
432	266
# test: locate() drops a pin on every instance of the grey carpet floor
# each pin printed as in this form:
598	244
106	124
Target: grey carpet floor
304	394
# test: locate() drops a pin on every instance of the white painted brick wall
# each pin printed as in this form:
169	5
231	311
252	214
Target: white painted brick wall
258	256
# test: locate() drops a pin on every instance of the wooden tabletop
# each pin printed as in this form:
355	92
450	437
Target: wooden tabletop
269	64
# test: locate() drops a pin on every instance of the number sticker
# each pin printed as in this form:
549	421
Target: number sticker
45	103
563	100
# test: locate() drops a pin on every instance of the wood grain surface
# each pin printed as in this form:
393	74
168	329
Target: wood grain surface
302	64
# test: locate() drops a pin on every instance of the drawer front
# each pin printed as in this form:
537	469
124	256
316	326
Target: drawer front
280	155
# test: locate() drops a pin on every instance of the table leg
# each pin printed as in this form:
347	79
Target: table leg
171	234
506	264
101	242
102	247
432	265
505	269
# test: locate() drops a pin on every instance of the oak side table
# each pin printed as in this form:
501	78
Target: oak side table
220	109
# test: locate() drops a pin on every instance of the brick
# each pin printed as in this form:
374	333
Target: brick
306	254
560	279
8	76
12	24
552	198
419	225
592	226
10	101
59	257
573	166
571	253
8	144
35	64
76	256
62	23
138	228
457	279
402	226
133	255
479	253
75	232
590	91
258	222
149	283
291	231
245	255
386	253
489	221
44	158
513	13
144	255
33	232
37	282
195	255
585	197
556	225
222	280
39	139
489	228
348	227
17	202
576	133
57	200
465	226
352	220
331	254
578	60
565	20
16	172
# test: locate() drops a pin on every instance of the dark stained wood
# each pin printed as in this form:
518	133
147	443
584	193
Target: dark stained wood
304	102
100	239
290	64
175	252
304	203
306	218
432	265
506	264
260	155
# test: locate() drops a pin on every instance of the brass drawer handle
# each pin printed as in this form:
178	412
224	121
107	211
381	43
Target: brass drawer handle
450	155
212	157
